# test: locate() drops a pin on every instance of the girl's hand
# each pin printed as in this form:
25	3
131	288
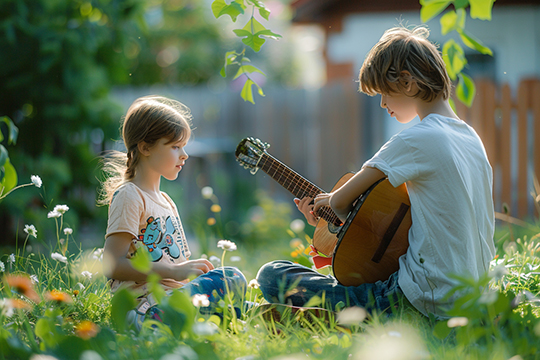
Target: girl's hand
306	207
184	270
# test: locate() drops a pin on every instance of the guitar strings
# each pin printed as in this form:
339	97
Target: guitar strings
269	163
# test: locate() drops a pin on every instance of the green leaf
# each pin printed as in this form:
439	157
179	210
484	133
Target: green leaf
465	89
432	8
441	330
122	302
252	32
230	58
474	43
9	180
448	22
454	58
247	93
247	69
141	261
13	131
481	9
452	20
3	156
461	4
263	10
220	8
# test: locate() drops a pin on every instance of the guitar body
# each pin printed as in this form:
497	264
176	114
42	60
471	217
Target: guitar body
374	236
367	247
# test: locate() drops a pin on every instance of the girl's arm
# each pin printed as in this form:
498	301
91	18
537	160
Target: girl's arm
341	200
117	266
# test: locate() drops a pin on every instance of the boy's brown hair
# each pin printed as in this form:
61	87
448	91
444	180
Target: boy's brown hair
401	49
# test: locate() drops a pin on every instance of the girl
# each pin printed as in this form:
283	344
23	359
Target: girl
444	165
143	218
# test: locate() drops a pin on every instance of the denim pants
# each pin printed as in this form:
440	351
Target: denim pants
285	282
211	284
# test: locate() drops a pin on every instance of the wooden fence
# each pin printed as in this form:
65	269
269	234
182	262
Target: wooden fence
509	125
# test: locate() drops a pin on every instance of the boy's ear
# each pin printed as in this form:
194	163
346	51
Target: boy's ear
406	80
144	148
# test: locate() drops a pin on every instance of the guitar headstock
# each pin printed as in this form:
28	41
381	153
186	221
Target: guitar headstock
249	152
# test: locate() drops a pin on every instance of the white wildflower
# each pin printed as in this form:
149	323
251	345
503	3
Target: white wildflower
87	274
30	230
62	209
68	231
34	279
36	180
352	316
53	214
297	225
59	257
215	260
81	286
98	254
254	284
6	307
2	266
207	192
200	300
226	245
457	321
12	258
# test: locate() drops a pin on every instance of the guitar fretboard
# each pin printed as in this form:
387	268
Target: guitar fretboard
296	184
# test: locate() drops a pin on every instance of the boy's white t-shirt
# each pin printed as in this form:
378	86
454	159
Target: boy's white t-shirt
155	227
449	179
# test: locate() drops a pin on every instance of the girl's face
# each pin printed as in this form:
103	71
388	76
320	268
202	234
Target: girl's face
167	158
399	106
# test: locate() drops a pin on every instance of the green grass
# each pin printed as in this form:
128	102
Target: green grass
499	314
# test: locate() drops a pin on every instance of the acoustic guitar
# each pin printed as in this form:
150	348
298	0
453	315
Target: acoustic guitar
364	249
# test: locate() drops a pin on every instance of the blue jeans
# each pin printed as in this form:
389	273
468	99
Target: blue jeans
285	282
211	284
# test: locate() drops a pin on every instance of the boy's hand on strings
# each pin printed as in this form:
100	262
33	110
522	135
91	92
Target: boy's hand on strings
305	206
191	267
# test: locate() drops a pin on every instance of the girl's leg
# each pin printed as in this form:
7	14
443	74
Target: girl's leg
288	283
213	285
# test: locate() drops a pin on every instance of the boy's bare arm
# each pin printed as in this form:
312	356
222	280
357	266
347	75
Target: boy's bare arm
117	266
341	200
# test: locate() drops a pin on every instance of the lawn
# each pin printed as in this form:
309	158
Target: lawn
56	305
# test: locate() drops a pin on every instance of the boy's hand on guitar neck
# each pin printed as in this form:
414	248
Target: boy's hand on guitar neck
305	206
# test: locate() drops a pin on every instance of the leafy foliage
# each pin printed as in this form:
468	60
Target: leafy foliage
453	54
253	35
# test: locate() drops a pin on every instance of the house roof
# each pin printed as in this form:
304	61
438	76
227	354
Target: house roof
319	11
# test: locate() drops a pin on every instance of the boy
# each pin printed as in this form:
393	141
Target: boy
444	165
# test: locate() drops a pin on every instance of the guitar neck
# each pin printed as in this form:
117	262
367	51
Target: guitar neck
296	184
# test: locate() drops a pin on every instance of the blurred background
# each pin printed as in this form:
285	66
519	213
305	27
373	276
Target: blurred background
69	69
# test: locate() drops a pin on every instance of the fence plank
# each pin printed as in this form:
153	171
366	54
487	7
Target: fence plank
523	158
536	118
506	120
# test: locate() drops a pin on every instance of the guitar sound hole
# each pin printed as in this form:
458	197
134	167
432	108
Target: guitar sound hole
334	229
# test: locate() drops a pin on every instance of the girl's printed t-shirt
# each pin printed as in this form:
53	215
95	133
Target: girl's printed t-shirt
155	227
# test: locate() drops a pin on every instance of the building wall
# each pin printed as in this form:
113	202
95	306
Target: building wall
513	34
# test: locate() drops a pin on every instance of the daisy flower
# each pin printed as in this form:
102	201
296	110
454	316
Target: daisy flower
226	245
200	300
86	329
22	285
30	230
59	257
36	180
58	297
